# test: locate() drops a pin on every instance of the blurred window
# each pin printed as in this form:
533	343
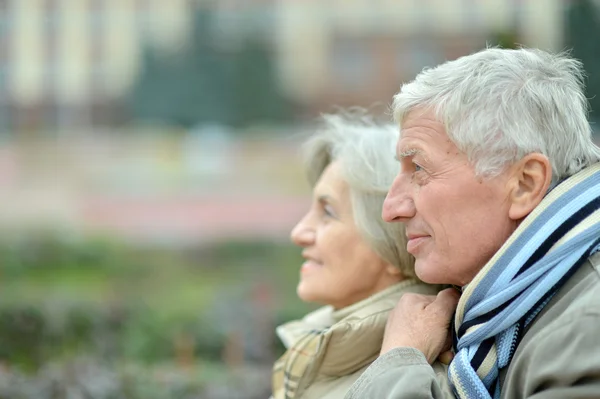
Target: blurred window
98	25
97	17
5	18
98	82
3	81
143	16
5	33
233	21
352	64
51	32
51	15
473	15
418	53
4	43
5	116
50	112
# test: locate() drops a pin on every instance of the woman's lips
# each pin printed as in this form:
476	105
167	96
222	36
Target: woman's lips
310	265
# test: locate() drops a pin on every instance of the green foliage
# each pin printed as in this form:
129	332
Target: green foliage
239	253
147	338
44	252
505	39
22	328
91	378
64	298
205	83
583	31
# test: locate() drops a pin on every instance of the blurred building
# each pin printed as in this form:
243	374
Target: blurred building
68	62
65	62
359	51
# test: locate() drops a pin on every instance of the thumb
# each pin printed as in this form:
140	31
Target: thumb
446	357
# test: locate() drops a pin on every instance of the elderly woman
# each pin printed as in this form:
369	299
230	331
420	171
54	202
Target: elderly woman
355	264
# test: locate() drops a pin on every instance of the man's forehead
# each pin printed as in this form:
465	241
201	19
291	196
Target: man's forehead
419	114
424	139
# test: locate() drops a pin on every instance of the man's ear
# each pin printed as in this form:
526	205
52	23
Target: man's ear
529	182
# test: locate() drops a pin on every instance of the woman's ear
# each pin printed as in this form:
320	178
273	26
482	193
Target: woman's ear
529	182
392	270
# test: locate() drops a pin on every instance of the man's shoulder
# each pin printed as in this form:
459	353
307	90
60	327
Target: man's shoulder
571	322
581	292
577	299
579	296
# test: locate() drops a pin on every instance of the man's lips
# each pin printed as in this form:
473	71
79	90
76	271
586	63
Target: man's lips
415	241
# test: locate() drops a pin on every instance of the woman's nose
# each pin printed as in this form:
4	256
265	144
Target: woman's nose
303	234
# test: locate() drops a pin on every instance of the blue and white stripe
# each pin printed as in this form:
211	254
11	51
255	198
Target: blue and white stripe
516	284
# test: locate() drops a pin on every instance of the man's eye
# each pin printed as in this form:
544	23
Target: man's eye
418	167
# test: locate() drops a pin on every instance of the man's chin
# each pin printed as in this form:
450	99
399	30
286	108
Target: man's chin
428	273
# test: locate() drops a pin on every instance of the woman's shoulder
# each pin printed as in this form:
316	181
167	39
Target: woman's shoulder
318	320
383	301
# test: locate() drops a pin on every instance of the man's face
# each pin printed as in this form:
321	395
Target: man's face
455	221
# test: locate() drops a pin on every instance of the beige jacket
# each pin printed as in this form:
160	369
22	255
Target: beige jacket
559	356
328	350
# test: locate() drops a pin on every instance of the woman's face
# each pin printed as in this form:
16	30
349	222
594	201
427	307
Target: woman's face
340	267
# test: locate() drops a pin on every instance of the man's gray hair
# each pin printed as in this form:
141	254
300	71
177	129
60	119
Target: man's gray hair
498	105
365	153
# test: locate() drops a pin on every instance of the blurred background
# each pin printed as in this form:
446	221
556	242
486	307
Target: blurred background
150	175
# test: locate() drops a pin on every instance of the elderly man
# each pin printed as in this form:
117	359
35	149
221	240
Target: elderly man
499	189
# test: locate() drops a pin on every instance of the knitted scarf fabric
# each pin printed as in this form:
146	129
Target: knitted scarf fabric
521	278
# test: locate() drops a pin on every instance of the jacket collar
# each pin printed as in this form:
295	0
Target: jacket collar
348	338
289	333
330	343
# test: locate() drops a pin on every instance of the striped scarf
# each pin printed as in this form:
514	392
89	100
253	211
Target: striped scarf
521	278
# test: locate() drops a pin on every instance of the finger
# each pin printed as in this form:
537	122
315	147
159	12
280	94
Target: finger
446	357
448	343
411	298
449	294
446	302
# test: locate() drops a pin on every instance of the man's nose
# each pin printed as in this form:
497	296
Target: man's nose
398	205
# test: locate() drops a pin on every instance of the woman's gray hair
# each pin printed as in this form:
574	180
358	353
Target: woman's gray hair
499	105
365	152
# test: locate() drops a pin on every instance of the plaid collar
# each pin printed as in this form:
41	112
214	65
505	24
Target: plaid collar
333	343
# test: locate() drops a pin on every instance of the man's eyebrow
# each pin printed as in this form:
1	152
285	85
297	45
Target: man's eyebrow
407	152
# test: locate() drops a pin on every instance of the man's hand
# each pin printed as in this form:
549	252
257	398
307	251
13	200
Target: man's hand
421	322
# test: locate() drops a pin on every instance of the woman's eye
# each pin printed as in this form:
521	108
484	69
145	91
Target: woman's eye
328	211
